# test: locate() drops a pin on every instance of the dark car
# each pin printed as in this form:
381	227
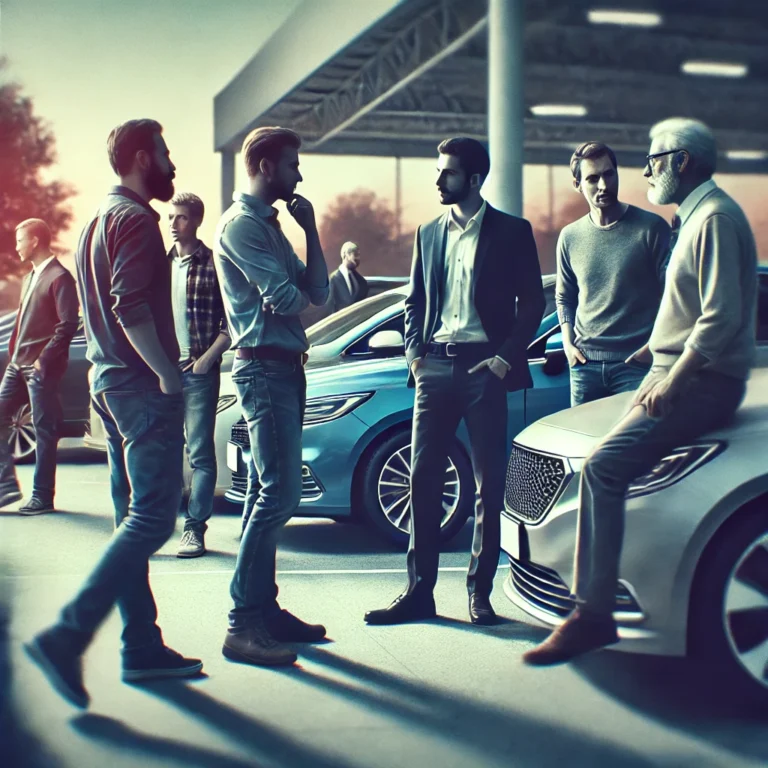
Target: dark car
73	393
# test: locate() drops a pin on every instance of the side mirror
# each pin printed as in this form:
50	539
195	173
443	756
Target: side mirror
555	361
387	341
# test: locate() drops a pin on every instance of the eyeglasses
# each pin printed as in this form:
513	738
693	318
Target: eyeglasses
648	158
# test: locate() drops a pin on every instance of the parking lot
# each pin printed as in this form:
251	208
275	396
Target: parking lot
438	693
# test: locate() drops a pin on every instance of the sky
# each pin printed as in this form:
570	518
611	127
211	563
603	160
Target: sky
91	64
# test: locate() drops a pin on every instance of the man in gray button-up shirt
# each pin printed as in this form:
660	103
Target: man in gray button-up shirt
265	286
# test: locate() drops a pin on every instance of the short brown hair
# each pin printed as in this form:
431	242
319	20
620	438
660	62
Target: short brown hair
590	150
193	202
473	156
39	229
267	144
129	138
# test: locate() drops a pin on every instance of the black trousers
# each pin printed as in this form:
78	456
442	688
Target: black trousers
20	384
446	393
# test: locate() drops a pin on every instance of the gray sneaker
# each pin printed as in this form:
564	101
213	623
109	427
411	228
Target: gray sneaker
192	544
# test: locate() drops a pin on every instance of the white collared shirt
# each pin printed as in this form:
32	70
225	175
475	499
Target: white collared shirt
689	204
36	272
460	321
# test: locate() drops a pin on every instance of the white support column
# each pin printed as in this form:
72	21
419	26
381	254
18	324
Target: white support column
506	104
227	178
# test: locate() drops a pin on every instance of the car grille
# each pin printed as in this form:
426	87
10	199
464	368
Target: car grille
310	486
544	589
534	481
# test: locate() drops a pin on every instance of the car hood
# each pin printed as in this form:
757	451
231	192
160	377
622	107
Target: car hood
575	431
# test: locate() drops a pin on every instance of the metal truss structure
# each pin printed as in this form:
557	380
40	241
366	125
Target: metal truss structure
421	74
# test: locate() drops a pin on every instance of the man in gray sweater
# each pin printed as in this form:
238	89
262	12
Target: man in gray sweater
610	277
702	348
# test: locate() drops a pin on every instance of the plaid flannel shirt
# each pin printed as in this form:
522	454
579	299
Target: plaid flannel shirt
205	309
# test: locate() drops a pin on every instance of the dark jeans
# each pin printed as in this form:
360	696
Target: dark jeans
145	439
272	396
593	380
446	393
634	446
201	396
18	385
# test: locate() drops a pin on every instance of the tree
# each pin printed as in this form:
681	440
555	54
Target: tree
27	148
370	222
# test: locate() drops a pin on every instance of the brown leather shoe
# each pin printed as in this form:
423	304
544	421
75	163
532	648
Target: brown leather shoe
254	645
481	611
578	634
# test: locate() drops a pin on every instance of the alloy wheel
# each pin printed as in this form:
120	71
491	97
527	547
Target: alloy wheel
394	490
745	610
22	440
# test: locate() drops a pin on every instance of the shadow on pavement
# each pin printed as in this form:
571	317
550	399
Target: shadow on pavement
118	735
17	746
266	743
680	693
512	738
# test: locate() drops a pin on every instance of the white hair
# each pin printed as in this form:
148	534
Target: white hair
347	247
694	137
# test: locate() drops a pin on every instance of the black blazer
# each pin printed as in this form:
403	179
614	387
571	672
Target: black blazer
49	322
339	295
509	297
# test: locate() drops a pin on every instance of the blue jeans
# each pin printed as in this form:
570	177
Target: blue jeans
272	396
145	439
594	380
201	396
634	446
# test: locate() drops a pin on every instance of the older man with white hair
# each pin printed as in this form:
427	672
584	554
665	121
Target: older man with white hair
346	285
702	348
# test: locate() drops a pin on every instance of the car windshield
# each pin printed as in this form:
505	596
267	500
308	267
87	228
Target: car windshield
334	327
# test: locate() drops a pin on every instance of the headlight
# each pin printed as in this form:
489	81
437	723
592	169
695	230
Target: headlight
225	401
322	409
674	467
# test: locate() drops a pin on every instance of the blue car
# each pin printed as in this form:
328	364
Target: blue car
357	428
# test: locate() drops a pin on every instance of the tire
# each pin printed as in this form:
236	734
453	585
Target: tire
386	508
22	440
729	607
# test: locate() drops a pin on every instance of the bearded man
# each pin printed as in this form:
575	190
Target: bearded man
701	348
474	304
124	281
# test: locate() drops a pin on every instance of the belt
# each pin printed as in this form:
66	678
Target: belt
268	353
459	349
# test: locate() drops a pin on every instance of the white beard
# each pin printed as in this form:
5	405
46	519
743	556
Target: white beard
664	188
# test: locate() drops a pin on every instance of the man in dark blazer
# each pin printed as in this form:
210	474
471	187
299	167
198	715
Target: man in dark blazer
474	305
38	353
346	285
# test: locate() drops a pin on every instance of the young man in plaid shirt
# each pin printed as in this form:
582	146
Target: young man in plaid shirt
201	329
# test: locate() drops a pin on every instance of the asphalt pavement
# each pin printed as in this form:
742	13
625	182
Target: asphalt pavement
441	693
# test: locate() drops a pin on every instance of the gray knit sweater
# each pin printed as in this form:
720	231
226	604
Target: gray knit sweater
610	281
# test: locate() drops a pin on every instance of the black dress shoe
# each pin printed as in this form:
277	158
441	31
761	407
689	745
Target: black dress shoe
403	609
481	611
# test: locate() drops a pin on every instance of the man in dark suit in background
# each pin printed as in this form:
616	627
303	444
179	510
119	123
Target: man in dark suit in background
38	353
346	285
475	303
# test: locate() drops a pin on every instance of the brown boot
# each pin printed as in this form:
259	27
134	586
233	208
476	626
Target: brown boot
255	645
579	634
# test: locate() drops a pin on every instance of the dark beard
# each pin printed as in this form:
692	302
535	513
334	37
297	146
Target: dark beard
159	185
458	196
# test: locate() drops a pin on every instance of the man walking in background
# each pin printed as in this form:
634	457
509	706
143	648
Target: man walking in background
201	330
38	354
474	304
610	277
702	347
347	285
265	286
124	280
